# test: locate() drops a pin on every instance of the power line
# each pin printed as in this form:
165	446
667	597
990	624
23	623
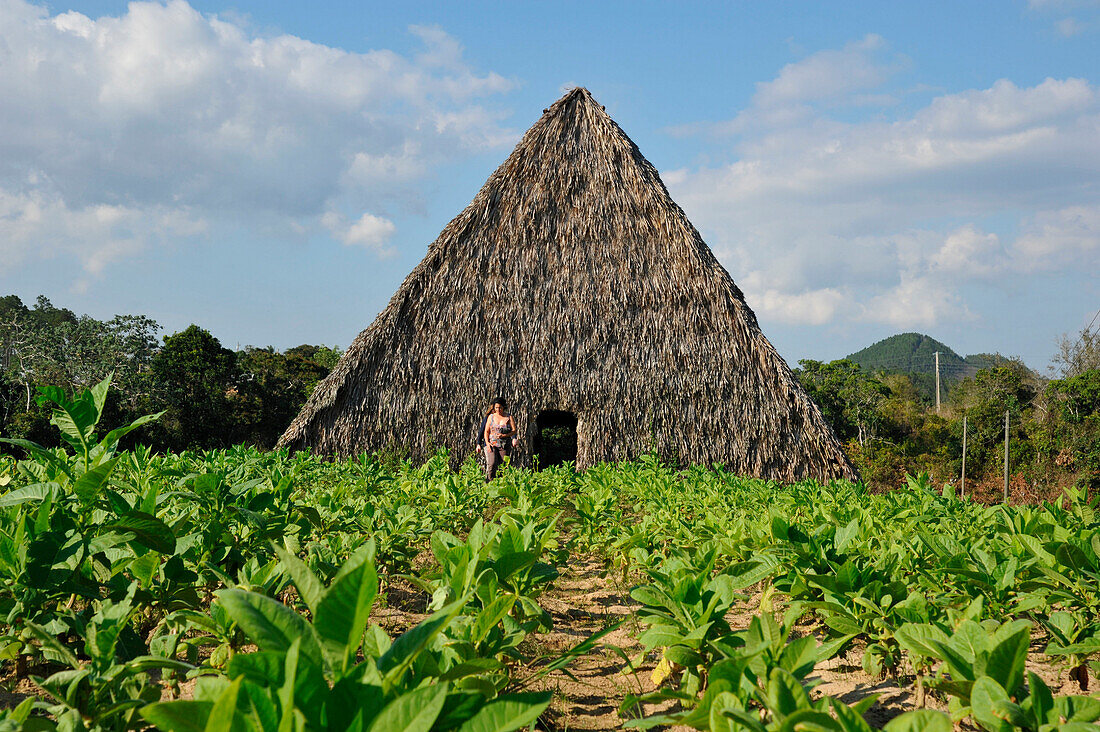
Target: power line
1085	332
1094	317
1087	329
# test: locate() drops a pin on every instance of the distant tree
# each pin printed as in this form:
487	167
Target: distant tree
1077	355
272	389
49	345
1072	432
321	356
1077	398
45	313
984	399
23	349
849	397
197	379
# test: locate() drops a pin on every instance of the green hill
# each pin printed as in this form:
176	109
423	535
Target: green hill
914	354
909	353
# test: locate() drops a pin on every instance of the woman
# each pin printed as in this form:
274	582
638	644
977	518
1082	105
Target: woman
499	436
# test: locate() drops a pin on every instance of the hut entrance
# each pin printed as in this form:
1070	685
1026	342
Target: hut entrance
555	437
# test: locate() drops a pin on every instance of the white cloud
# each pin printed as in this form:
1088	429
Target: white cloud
37	224
815	307
917	302
827	78
968	252
885	220
1069	27
1068	237
825	75
166	112
369	231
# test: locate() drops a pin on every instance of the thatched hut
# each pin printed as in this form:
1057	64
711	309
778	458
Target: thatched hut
575	286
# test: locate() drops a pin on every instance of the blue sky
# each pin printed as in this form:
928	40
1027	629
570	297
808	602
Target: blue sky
272	171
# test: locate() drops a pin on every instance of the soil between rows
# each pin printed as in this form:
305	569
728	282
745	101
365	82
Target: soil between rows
584	600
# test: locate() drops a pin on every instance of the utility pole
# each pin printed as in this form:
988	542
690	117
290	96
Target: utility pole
962	490
937	354
1006	457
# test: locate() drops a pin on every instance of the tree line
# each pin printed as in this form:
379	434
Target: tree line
214	397
211	396
891	428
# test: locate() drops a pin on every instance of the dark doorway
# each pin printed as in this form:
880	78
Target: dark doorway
555	438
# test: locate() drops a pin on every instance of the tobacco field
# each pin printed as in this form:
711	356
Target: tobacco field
249	590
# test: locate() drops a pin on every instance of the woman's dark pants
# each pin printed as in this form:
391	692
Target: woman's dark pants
493	459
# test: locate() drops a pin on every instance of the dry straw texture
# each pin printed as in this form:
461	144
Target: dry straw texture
573	282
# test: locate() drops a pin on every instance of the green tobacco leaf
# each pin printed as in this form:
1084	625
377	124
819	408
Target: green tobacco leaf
223	714
811	720
1011	713
472	667
41	454
683	656
961	667
508	713
652	597
785	694
780	528
746	574
1092	645
843	624
1042	701
49	640
75	418
1006	661
286	691
415	711
257	708
98	395
493	613
745	719
921	639
401	655
660	635
985	699
34	492
178	716
511	563
922	720
344	611
89	486
149	531
110	440
1077	708
270	624
309	587
799	656
363	554
144	567
833	647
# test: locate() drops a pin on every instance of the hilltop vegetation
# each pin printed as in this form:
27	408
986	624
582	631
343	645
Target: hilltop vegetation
914	354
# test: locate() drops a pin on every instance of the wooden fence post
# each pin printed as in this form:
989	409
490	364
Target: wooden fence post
962	490
1006	457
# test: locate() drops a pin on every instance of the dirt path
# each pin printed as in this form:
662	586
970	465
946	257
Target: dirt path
583	601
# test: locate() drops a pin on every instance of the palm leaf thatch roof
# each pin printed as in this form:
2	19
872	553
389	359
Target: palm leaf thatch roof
573	282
